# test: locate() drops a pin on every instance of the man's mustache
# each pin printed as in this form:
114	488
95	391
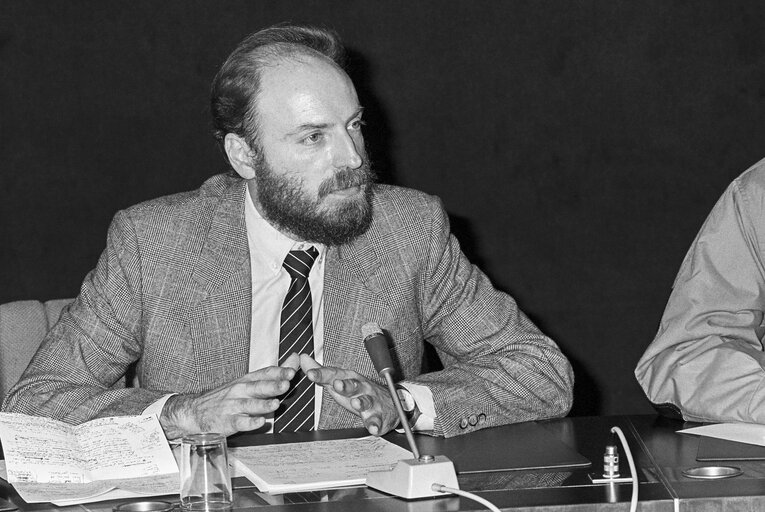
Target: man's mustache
346	178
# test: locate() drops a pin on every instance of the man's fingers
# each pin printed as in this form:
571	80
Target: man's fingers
261	388
307	363
362	403
269	373
242	422
324	375
293	361
256	406
372	422
347	387
373	427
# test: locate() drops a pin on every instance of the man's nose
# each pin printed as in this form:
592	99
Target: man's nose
347	153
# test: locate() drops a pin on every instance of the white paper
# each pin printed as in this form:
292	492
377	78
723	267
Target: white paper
750	433
125	447
33	492
157	485
295	467
48	460
39	450
74	494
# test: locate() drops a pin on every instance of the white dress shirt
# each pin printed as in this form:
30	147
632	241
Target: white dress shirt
270	282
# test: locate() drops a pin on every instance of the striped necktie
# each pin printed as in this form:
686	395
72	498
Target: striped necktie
296	335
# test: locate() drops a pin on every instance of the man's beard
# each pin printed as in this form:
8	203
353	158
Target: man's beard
288	208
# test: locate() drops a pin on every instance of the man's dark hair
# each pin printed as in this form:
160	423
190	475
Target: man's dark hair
237	83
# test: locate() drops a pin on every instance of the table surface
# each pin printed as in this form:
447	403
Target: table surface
660	456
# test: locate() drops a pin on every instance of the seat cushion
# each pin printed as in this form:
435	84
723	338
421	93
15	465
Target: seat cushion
23	325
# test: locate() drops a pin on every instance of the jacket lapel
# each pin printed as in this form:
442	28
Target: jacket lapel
221	317
351	299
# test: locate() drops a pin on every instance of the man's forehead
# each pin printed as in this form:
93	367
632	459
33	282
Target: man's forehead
305	90
292	73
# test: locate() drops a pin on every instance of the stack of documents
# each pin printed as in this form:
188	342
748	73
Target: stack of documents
296	467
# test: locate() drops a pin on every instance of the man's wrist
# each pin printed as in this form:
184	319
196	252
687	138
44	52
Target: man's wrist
173	417
409	405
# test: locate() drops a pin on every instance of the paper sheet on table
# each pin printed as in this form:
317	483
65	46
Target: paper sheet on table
73	494
751	433
295	467
43	450
49	461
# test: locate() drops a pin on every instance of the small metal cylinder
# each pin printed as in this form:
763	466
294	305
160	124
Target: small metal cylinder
611	462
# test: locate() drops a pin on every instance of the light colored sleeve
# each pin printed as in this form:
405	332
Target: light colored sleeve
707	359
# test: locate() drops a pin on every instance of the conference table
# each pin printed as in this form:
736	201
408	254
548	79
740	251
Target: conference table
661	455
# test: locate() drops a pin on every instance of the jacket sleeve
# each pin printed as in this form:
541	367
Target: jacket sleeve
706	361
498	367
78	372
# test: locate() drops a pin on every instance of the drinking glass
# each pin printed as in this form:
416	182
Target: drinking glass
205	479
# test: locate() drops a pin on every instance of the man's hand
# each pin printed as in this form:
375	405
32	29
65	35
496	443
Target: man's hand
237	406
368	400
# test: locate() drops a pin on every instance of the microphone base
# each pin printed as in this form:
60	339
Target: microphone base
412	478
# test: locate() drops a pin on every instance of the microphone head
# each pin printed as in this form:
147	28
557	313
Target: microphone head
377	346
370	329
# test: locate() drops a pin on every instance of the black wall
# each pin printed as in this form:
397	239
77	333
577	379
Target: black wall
578	145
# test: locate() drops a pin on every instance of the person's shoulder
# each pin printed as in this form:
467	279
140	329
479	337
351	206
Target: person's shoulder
404	213
174	206
751	181
392	197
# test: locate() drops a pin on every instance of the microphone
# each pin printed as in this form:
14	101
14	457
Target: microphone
377	347
421	477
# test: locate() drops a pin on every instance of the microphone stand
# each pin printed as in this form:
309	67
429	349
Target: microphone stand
401	414
409	478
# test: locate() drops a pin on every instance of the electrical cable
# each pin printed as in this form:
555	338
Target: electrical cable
486	503
633	471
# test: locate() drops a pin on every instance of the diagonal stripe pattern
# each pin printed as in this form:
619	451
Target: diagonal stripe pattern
296	335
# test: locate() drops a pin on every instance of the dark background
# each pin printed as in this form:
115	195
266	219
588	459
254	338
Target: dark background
577	145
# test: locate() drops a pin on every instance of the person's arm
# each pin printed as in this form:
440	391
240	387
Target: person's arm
706	362
76	373
498	367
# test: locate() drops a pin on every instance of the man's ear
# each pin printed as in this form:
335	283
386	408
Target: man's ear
239	155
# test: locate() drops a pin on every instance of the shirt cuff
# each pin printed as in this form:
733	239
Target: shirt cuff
156	407
423	397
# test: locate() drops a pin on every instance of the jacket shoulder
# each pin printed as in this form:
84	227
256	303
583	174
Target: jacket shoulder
184	207
393	201
751	181
405	223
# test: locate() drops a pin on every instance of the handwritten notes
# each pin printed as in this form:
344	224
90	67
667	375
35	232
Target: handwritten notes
48	460
295	467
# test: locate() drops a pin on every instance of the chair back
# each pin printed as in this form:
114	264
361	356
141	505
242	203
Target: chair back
23	325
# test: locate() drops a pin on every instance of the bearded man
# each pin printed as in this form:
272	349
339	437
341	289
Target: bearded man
241	304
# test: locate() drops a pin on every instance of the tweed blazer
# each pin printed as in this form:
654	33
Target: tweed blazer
172	294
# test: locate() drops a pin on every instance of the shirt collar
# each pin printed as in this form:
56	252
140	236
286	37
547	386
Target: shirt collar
268	244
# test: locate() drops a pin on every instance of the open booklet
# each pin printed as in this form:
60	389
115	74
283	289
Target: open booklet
296	467
107	458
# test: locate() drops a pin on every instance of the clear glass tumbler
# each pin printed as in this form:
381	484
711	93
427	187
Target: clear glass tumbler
205	479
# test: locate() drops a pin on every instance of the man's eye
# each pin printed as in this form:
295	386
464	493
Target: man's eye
357	124
312	138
